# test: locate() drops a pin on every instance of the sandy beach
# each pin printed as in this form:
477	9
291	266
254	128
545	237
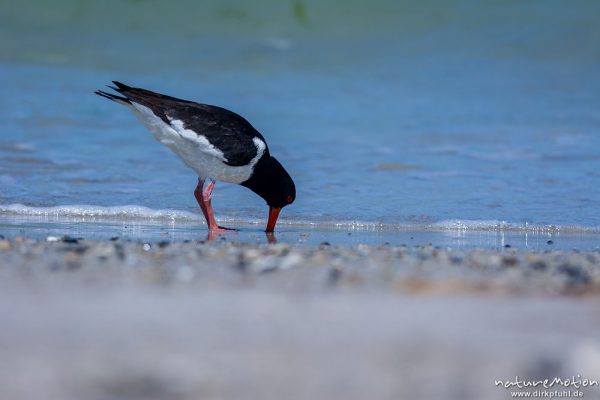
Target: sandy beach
213	320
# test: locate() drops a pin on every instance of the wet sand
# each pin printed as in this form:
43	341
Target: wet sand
223	320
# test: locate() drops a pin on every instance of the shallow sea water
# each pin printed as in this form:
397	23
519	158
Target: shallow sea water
398	117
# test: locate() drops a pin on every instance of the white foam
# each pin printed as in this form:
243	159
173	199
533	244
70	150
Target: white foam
472	225
91	211
503	226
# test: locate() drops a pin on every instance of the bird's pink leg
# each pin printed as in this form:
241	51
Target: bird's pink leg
200	200
203	196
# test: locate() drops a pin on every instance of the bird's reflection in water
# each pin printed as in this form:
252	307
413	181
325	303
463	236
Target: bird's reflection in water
271	239
213	234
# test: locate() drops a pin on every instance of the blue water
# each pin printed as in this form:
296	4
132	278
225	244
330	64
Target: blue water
470	114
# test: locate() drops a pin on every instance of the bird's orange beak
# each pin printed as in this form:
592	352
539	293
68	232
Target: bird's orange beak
273	214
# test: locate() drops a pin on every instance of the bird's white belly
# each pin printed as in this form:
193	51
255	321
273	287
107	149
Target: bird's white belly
195	150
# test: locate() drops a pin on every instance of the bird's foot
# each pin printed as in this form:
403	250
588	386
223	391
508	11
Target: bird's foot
214	233
222	229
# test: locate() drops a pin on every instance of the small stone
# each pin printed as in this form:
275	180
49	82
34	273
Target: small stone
146	247
119	251
268	270
334	276
456	259
318	257
71	257
363	249
494	260
575	274
265	264
291	260
251	254
538	265
509	261
52	239
279	249
69	239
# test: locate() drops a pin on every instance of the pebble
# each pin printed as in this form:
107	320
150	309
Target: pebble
69	239
306	267
538	265
509	261
251	254
576	275
291	260
334	276
267	263
103	251
278	249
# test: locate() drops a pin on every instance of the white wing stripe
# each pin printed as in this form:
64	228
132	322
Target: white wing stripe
197	138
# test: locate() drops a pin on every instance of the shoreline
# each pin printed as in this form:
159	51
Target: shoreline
40	227
135	214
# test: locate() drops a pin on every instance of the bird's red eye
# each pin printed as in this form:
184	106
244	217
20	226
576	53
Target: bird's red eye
289	199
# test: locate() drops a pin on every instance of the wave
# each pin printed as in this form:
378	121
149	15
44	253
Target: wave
503	226
128	212
133	213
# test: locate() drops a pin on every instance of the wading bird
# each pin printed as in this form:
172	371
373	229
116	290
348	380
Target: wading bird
218	144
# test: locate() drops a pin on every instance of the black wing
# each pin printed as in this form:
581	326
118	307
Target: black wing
229	132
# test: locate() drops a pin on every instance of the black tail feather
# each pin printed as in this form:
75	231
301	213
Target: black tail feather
113	97
121	87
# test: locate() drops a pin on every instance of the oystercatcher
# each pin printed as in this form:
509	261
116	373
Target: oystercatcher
216	143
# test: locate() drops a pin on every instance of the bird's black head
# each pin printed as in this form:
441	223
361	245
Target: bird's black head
272	182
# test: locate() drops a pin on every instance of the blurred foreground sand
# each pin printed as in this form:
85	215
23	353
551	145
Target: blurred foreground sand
128	320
